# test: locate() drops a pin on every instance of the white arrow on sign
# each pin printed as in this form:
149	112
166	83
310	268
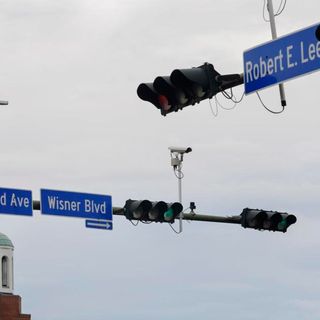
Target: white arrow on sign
99	224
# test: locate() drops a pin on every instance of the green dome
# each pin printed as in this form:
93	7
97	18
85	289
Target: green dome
5	241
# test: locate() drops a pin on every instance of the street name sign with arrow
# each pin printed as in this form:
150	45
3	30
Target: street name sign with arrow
76	204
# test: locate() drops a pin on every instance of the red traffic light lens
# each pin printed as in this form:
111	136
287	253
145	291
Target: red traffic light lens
164	103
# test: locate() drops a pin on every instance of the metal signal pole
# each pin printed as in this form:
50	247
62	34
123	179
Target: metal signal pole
274	36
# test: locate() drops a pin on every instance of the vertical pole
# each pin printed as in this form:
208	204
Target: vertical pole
274	36
180	186
180	193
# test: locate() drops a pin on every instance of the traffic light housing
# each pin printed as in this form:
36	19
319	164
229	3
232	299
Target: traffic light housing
152	211
267	220
183	88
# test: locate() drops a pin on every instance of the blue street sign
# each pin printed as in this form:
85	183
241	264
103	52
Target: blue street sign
75	204
15	201
285	58
99	224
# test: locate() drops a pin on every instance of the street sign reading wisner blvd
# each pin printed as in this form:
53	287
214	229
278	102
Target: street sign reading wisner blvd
75	204
282	59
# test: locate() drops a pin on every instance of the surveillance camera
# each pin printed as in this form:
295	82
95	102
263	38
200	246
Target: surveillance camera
180	150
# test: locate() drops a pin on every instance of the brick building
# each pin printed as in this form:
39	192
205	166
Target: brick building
10	304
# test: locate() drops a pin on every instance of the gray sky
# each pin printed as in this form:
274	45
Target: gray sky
70	70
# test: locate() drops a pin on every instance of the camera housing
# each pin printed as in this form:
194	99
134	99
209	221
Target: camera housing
180	150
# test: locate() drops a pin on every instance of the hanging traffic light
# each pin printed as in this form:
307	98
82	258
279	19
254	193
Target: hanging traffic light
266	220
157	211
183	88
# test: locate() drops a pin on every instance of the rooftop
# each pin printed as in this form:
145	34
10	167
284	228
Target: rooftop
5	241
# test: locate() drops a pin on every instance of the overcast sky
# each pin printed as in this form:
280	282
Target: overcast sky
70	70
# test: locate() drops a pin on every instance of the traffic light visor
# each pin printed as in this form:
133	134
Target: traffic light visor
173	211
147	92
286	221
175	96
158	210
195	81
137	209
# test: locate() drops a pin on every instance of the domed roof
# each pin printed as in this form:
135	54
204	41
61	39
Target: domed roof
5	241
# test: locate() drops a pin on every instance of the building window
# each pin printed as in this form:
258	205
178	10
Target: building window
5	272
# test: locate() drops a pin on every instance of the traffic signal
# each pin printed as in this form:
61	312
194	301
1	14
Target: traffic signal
267	220
157	211
183	88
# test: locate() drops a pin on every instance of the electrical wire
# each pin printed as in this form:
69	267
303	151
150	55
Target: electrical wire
280	9
135	224
235	100
177	232
186	209
271	111
223	107
178	173
264	12
189	221
229	96
215	114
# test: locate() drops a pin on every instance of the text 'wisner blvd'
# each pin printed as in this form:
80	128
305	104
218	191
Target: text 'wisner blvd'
55	203
282	59
75	204
96	207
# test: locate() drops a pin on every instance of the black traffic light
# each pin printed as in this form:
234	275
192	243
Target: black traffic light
183	88
157	211
266	220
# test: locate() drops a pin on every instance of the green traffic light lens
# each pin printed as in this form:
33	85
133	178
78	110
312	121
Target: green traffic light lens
168	215
282	225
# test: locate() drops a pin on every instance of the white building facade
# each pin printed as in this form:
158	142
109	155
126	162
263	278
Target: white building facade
6	265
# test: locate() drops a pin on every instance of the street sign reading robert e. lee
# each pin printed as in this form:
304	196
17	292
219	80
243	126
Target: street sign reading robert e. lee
285	58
